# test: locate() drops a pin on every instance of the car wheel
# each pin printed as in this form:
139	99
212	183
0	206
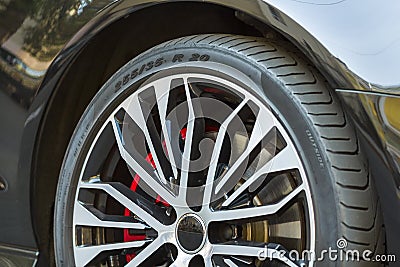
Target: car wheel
215	150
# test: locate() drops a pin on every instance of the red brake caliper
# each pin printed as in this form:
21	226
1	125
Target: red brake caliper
136	237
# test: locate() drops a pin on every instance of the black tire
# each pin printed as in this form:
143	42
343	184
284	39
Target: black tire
345	201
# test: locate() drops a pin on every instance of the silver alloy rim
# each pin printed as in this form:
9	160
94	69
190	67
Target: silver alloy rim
286	159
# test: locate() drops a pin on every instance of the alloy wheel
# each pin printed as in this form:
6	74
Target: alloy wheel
191	169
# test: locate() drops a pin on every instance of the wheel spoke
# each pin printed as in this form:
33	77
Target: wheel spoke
83	255
261	127
186	157
238	263
114	190
235	250
208	260
89	216
182	259
162	89
285	160
246	213
137	113
230	263
266	251
150	249
216	153
150	180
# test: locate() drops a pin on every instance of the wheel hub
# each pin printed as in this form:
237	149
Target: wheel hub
190	233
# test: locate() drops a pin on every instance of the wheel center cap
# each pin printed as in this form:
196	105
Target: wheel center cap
190	233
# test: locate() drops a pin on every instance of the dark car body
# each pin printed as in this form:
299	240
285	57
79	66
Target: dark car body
55	55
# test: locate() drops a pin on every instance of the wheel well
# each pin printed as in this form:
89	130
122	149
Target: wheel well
98	60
